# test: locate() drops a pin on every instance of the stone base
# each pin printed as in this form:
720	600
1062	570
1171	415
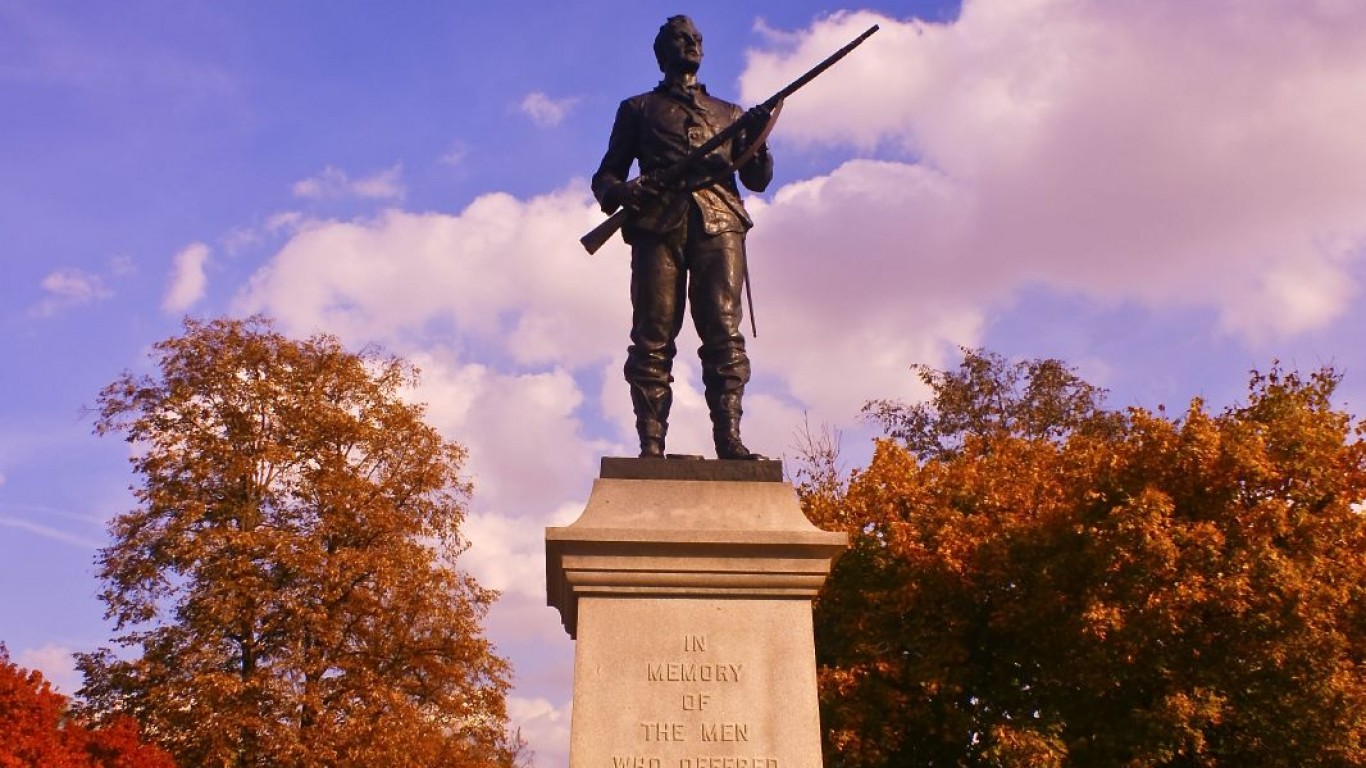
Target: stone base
679	468
691	603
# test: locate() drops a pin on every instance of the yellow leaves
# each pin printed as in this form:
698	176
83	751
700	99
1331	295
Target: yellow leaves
1158	592
1013	745
297	522
1100	619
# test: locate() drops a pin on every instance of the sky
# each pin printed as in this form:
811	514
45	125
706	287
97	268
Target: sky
1165	194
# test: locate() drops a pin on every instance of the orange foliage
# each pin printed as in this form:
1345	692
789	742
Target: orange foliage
1136	590
38	731
287	583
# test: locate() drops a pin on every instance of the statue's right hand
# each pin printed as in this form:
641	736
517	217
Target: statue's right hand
631	195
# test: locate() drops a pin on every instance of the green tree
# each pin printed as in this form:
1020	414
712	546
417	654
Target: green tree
288	578
1127	589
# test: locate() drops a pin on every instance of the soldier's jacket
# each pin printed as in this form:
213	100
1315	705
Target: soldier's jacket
659	128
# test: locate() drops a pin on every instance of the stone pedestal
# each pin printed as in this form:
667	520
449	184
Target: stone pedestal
688	586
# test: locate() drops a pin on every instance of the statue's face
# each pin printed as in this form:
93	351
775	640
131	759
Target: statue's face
682	49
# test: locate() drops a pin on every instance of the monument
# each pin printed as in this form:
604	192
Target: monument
687	584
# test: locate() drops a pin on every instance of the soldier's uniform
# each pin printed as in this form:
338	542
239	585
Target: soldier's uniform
688	247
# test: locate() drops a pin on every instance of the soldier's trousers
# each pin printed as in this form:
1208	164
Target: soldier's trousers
706	272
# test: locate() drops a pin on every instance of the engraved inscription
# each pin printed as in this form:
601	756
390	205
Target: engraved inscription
662	731
679	672
728	763
725	731
696	702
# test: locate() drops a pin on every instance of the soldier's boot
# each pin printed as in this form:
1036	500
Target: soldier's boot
652	418
651	438
725	426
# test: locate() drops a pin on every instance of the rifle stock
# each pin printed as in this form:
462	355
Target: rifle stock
604	231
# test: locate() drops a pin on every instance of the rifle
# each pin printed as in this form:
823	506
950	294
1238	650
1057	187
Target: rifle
670	177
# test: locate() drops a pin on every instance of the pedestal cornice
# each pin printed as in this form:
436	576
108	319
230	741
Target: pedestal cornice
692	537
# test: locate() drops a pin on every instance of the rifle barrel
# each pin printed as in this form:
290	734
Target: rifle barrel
816	71
731	130
604	231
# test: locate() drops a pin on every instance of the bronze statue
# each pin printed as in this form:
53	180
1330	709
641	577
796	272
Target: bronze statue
686	244
686	224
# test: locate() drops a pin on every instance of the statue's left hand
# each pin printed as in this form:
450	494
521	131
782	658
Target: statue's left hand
756	118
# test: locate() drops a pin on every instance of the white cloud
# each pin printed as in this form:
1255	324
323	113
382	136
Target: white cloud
503	272
73	284
506	554
188	280
544	111
48	532
527	449
332	184
67	288
284	221
1148	150
56	664
545	727
853	284
455	155
238	239
384	185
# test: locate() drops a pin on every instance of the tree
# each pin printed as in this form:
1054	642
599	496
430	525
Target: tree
1132	590
988	396
288	578
38	730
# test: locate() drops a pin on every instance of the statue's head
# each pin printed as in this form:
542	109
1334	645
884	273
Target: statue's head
678	46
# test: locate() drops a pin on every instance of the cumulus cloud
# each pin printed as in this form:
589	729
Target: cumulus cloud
56	664
1145	150
544	725
528	450
508	555
334	184
503	271
544	111
68	288
188	280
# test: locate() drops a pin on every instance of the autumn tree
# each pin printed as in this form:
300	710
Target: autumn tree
286	590
39	730
1114	589
989	396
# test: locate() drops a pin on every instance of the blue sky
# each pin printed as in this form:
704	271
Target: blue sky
1165	194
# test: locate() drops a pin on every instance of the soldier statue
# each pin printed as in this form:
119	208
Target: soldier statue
687	239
